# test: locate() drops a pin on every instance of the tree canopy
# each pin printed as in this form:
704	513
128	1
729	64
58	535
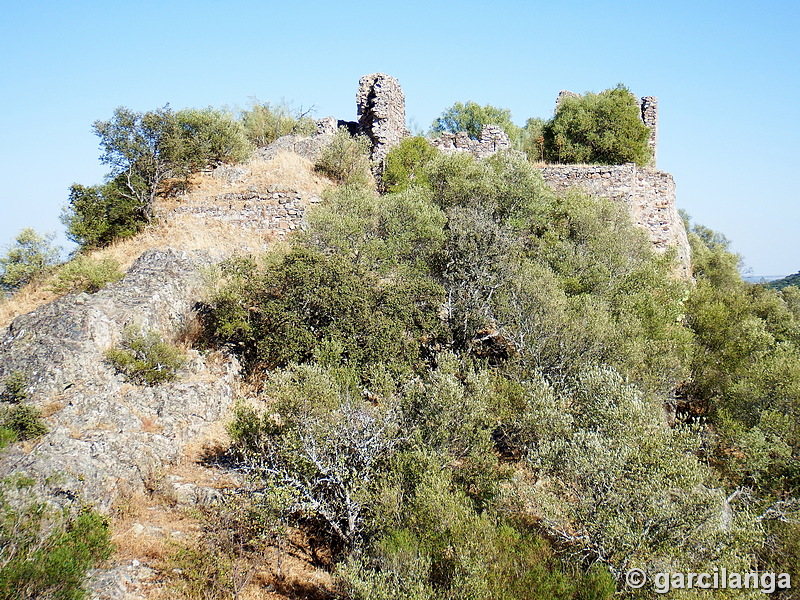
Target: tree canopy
601	128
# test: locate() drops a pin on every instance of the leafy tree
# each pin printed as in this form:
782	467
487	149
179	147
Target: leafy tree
31	256
601	128
97	215
205	138
379	234
532	139
471	117
633	487
140	149
324	452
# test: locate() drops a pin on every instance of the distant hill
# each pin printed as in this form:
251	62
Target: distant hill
761	278
779	284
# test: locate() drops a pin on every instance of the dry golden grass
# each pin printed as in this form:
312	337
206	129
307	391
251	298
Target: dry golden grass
187	232
289	170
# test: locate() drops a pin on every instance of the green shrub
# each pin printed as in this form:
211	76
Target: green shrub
100	214
83	274
28	259
378	233
207	137
145	358
265	123
346	159
15	385
405	164
24	420
44	553
604	128
282	315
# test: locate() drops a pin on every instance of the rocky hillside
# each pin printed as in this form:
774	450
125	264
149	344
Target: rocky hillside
112	444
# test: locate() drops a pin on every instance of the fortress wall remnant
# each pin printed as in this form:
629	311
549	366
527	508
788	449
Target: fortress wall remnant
381	110
493	139
649	108
648	194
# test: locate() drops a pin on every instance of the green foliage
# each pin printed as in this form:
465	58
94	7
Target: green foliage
97	215
46	554
24	420
84	274
144	151
441	548
405	164
324	456
15	387
601	128
282	314
264	123
747	368
471	117
420	335
532	139
206	138
30	257
140	149
145	358
658	510
378	233
346	159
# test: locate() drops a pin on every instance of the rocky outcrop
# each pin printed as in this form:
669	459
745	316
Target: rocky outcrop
106	435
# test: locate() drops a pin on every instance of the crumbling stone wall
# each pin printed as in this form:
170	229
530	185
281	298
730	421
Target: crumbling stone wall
275	209
648	194
381	110
649	108
493	139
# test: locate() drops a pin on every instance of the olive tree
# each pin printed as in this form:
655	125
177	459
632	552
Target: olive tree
29	257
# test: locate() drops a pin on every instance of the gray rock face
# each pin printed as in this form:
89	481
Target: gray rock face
106	434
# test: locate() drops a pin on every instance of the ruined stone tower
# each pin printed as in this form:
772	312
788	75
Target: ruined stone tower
649	106
381	114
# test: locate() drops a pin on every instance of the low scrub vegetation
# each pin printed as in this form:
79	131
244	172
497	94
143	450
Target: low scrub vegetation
467	380
45	553
145	358
84	274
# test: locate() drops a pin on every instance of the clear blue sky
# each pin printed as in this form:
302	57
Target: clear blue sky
727	75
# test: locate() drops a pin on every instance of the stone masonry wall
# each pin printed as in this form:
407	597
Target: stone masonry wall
648	194
493	139
276	209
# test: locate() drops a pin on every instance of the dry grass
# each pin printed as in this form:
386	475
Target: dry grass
187	232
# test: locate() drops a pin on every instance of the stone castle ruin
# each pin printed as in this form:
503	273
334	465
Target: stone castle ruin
648	194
